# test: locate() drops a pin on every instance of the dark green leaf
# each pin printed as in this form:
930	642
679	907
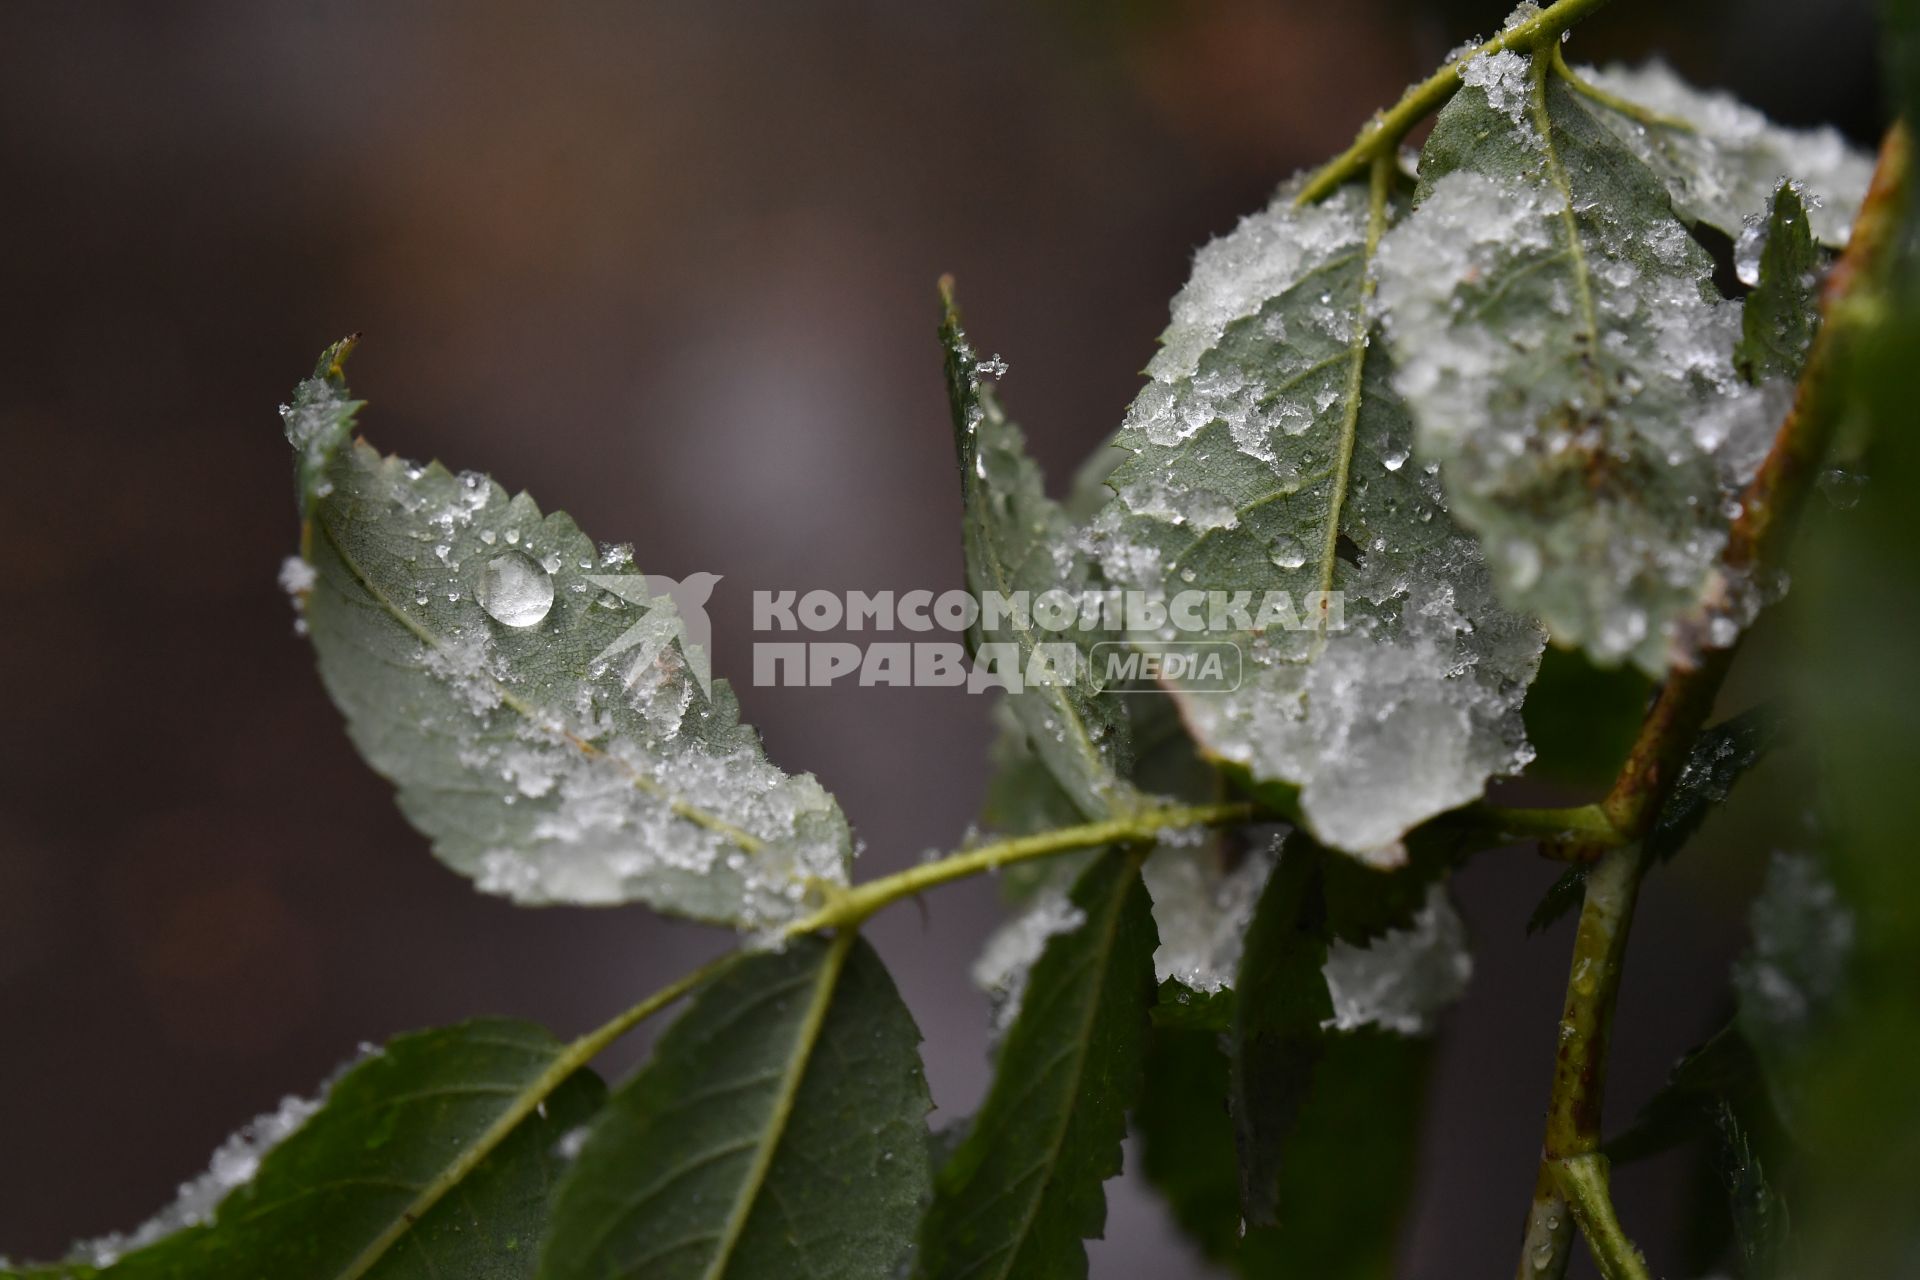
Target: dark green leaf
435	1157
474	646
1776	326
1018	540
779	1129
1563	895
1181	1008
1281	1000
1723	1070
1716	761
1582	719
1024	1189
1353	1154
1760	1222
1185	1137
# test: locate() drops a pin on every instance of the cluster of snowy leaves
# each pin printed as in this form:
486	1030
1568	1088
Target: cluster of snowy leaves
1493	395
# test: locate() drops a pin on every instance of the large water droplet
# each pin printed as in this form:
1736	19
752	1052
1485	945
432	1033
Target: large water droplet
515	590
1287	553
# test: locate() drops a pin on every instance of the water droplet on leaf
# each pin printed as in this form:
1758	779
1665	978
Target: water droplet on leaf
515	590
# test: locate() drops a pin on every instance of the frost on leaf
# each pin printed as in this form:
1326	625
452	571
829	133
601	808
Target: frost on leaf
1399	980
1015	947
1404	979
233	1165
1270	472
1018	546
1570	367
1722	168
475	651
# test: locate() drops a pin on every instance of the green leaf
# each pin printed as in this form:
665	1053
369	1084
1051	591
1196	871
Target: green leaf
1563	895
1722	1070
1280	1002
1570	365
1268	466
1024	797
434	1157
1185	1136
1024	1189
1582	719
475	647
1354	1153
1760	1220
779	1129
1720	160
1017	540
1327	1063
1718	759
1777	324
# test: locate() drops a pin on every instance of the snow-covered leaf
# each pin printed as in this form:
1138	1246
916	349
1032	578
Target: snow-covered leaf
779	1130
1569	363
483	656
1024	1188
1017	540
1268	464
433	1157
1723	166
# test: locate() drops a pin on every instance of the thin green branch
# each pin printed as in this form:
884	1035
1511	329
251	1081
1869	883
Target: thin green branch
1613	101
1582	1182
1770	507
1548	1246
1577	834
525	1103
1384	132
849	907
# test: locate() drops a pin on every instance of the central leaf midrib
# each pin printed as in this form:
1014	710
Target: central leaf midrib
805	1040
1082	1044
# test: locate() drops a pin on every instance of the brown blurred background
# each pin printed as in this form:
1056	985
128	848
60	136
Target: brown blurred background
669	266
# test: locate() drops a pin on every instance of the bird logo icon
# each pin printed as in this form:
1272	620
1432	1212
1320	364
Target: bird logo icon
676	609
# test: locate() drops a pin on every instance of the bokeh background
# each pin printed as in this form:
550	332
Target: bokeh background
670	266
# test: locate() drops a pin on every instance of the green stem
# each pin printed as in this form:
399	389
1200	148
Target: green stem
525	1103
1385	130
1613	101
1582	1181
1771	503
1574	834
849	907
1548	1246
